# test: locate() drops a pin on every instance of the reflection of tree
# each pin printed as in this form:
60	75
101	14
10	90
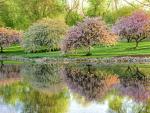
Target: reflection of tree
116	104
80	99
134	88
135	85
42	75
43	98
40	102
34	101
120	104
97	82
13	92
134	72
134	81
89	81
9	73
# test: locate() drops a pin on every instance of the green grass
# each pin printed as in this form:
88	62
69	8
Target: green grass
121	49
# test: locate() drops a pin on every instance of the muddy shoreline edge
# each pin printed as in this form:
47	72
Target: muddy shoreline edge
112	60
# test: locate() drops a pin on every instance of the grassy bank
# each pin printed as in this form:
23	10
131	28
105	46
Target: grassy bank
121	49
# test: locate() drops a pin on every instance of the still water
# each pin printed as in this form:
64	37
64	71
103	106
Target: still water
74	88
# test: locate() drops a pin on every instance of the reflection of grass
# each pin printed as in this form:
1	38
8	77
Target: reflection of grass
121	49
12	62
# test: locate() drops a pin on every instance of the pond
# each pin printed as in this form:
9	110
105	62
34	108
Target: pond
74	88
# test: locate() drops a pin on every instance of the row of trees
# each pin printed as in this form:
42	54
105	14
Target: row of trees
47	34
51	35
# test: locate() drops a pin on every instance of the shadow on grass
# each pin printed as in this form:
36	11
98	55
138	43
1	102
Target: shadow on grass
14	52
138	48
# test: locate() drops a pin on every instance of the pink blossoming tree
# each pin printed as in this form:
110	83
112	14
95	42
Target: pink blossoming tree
133	27
87	33
8	36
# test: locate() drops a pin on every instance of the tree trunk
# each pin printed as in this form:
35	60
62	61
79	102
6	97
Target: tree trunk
116	4
137	44
1	64
128	40
1	51
89	51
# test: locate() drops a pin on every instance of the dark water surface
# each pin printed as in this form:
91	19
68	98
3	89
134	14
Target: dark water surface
74	88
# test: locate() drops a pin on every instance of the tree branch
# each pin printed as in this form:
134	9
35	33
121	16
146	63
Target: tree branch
129	3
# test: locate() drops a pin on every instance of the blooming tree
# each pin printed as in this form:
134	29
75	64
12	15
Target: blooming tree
133	27
44	35
9	36
87	33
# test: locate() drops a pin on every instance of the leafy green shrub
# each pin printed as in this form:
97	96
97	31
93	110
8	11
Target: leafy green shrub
72	18
44	35
111	16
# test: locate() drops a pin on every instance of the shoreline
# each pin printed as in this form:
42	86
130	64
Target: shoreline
111	60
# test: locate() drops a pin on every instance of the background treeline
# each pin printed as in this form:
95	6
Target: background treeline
69	25
20	14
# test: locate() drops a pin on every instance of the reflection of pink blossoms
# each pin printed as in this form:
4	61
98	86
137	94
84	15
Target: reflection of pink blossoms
89	84
135	89
9	74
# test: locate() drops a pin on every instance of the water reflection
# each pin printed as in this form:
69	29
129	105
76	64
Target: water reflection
34	101
126	92
134	88
89	81
74	88
119	104
9	73
43	76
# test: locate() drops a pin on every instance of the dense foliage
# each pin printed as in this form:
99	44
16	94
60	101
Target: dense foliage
20	14
72	18
97	7
87	33
133	27
44	35
8	37
111	16
109	10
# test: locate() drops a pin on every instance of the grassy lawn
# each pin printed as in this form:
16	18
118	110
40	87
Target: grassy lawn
121	49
